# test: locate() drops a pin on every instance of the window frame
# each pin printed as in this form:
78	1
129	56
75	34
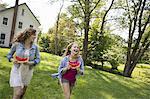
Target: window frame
2	40
22	12
5	21
20	24
31	26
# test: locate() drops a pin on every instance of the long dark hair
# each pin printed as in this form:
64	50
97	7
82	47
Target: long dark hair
24	35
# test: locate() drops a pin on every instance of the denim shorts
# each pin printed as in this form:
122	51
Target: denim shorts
67	81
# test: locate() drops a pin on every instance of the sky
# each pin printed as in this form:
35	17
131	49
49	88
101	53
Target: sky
45	12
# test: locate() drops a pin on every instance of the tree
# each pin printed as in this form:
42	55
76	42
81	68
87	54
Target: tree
85	8
14	20
116	53
98	46
66	34
44	43
57	23
146	57
104	17
57	26
138	22
101	42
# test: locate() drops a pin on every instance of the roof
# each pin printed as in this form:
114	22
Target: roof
20	5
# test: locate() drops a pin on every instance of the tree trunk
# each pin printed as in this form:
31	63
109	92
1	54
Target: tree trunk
14	22
86	30
87	12
57	26
136	52
85	41
128	62
126	70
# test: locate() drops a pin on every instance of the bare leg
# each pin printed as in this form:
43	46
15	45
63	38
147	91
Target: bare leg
24	90
66	90
19	92
71	88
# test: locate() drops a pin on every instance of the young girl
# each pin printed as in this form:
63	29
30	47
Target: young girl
26	57
71	65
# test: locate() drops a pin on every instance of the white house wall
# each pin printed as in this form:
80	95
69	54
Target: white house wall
27	20
6	28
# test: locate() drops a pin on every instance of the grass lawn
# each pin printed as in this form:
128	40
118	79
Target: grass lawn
94	84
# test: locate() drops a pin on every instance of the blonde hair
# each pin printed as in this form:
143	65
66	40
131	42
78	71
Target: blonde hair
68	49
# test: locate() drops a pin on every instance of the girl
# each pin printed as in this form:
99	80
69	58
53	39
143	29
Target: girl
71	65
26	57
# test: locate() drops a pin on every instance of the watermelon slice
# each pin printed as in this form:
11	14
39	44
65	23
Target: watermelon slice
21	59
74	65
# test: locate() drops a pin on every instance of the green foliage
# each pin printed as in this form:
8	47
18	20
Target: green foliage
107	47
44	42
66	34
145	58
117	50
114	63
98	43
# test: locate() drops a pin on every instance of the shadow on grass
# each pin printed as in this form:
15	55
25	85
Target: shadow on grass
43	86
102	85
94	84
106	69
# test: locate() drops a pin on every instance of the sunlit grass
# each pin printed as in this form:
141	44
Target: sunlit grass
95	84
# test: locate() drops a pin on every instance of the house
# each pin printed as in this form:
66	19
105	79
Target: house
25	19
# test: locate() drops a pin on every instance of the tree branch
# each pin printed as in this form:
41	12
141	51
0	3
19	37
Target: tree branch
139	55
136	17
146	23
81	6
95	6
103	21
133	30
130	37
141	15
146	39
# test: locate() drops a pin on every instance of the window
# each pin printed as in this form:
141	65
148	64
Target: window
31	26
2	38
5	20
22	13
20	25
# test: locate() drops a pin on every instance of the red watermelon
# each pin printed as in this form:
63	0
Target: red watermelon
74	64
21	59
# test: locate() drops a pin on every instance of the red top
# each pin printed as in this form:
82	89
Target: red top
70	75
72	72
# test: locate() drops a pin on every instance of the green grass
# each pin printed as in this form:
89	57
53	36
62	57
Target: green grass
94	84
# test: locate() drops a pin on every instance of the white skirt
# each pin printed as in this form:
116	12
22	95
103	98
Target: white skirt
20	75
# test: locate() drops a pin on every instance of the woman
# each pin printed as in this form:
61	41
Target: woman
71	65
25	55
